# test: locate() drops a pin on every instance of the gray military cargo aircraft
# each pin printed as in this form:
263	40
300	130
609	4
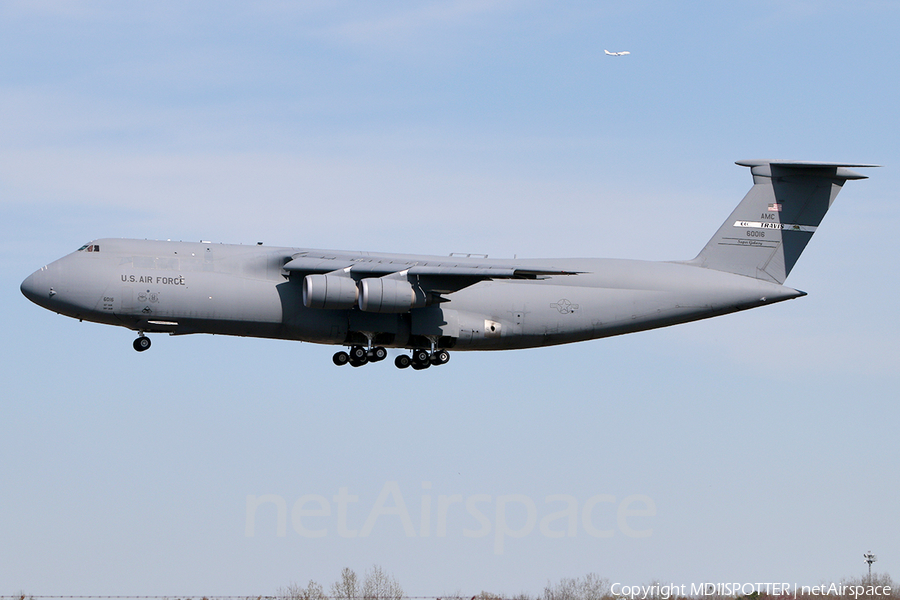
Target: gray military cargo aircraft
371	301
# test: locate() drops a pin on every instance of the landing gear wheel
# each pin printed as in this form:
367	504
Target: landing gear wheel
141	344
441	357
420	357
419	366
358	363
340	358
358	354
402	361
377	354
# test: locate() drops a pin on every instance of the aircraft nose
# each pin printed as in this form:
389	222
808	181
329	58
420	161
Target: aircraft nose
36	287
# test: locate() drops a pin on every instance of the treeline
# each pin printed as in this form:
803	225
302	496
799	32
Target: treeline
378	585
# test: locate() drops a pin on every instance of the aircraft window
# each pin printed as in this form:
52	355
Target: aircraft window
83	248
90	248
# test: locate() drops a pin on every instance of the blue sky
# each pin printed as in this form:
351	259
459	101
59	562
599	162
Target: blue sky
766	442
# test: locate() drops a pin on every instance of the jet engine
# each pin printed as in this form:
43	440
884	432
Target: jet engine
329	291
389	295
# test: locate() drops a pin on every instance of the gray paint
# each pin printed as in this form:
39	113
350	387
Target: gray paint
472	303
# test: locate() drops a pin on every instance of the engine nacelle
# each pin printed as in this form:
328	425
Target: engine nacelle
387	295
329	291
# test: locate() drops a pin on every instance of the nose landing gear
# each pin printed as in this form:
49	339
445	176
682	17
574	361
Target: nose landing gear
142	343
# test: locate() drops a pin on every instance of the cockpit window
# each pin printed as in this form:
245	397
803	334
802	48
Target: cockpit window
90	248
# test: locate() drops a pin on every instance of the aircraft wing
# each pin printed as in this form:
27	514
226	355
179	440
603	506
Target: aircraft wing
379	266
437	274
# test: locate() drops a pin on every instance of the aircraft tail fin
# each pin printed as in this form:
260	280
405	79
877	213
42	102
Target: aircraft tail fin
766	233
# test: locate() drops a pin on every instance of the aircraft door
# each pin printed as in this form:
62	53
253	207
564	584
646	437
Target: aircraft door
123	308
516	320
126	301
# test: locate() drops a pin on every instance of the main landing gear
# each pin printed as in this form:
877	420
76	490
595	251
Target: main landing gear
420	359
142	343
358	356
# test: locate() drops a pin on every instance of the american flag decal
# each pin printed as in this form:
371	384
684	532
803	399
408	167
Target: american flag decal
775	207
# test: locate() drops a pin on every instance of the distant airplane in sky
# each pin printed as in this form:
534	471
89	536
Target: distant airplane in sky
608	53
370	301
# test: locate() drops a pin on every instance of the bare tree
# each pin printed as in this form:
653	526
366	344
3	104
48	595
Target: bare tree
589	587
457	595
594	587
381	586
564	590
293	591
347	587
882	581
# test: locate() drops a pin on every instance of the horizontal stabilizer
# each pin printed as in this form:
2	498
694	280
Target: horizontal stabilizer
763	168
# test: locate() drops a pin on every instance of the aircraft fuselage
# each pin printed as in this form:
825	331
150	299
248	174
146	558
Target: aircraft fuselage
182	287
